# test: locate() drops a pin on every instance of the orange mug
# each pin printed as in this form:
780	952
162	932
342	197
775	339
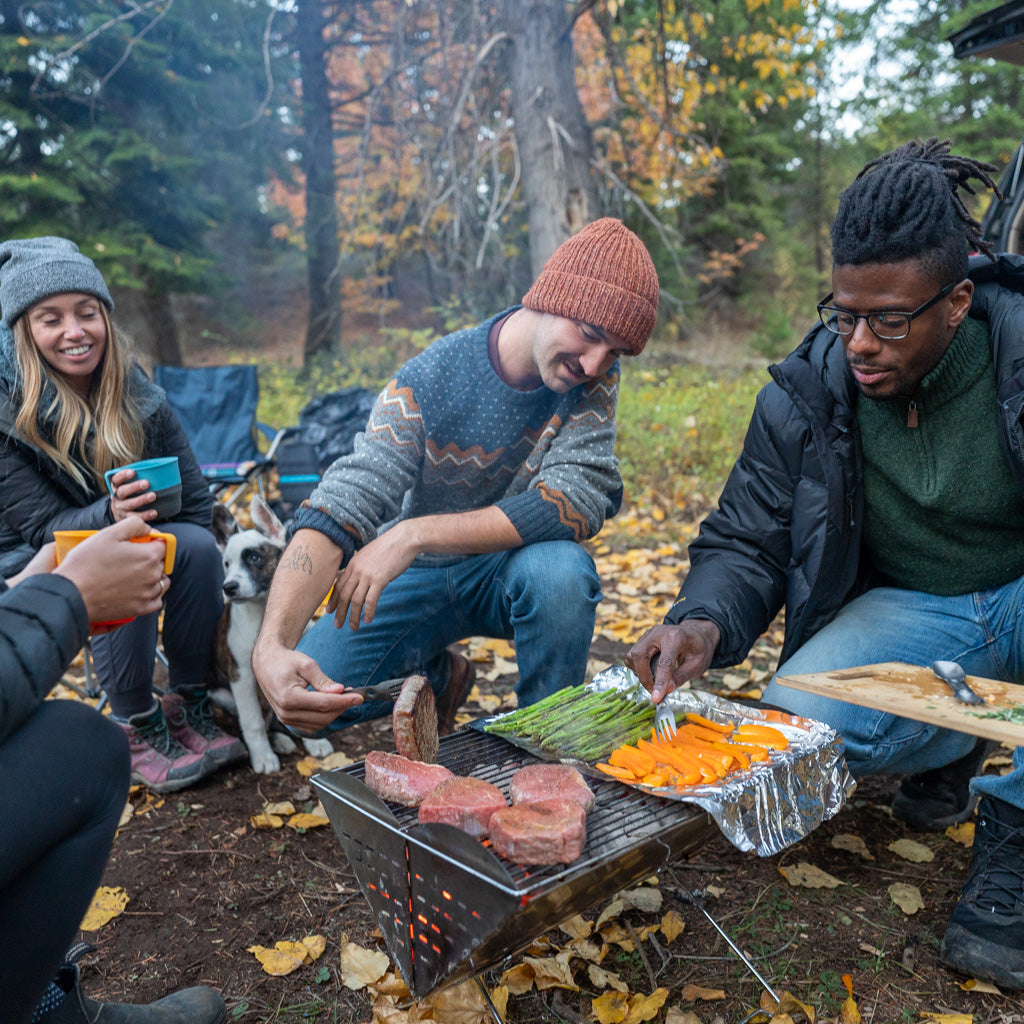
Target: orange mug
67	539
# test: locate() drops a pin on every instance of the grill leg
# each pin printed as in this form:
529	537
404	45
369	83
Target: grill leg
487	999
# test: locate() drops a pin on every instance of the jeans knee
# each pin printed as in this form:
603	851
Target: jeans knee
560	582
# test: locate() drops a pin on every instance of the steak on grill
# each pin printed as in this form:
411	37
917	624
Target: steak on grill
546	781
400	779
547	832
466	803
414	720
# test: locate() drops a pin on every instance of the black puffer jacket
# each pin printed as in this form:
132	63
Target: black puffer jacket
787	531
37	496
43	625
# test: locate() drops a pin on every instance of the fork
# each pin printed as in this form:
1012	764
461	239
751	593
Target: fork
664	716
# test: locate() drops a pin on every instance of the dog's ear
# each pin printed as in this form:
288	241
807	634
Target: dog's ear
224	524
265	521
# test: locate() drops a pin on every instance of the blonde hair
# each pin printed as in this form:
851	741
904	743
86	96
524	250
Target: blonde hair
85	436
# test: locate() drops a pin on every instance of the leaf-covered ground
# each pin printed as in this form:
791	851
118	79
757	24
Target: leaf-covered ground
226	886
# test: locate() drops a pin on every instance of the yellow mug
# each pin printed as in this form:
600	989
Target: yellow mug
67	539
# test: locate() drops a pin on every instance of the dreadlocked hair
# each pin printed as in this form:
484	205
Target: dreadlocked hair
906	205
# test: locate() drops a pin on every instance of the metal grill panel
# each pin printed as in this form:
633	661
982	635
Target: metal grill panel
448	906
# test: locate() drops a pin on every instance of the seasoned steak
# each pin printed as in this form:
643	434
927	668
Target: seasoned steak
414	719
466	803
547	832
401	780
538	782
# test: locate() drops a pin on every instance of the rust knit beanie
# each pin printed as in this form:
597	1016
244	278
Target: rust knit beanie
602	275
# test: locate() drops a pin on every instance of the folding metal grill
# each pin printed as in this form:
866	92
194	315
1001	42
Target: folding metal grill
449	907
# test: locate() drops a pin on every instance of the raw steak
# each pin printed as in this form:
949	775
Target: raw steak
466	803
400	779
538	782
414	720
548	832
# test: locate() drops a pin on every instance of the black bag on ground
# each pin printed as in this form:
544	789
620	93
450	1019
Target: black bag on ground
329	423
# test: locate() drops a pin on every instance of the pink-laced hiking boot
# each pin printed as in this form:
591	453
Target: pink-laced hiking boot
190	720
159	761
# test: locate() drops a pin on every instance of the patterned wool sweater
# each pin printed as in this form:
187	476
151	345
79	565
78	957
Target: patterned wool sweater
448	435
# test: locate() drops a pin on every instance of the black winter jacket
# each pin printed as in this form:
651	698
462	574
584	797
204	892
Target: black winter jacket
43	625
37	496
787	530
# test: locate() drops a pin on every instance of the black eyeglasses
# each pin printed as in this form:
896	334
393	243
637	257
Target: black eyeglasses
887	325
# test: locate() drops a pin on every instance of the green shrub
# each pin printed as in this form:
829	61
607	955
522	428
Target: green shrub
681	429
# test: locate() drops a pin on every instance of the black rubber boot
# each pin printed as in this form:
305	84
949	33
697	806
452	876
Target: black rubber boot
932	801
198	1005
985	935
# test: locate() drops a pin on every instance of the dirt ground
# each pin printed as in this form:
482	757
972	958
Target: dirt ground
204	886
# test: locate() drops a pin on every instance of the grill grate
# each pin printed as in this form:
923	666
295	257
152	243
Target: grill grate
448	906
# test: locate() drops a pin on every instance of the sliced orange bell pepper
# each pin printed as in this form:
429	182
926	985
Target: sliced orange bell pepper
692	716
616	772
762	734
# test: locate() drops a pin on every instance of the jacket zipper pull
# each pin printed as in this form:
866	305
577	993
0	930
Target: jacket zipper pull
912	413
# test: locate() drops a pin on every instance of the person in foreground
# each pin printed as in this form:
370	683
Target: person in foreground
64	778
485	462
74	405
879	498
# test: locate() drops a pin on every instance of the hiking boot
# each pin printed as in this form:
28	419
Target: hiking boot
934	800
190	720
65	1003
460	682
985	935
159	761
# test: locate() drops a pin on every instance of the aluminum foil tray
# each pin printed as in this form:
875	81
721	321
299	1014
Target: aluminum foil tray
765	808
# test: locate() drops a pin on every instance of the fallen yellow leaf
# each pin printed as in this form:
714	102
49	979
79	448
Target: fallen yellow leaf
266	821
552	972
518	980
287	956
908	849
307	821
360	966
948	1018
851	844
692	993
611	1007
107	903
675	1015
907	897
601	979
280	809
672	925
808	876
962	834
643	1008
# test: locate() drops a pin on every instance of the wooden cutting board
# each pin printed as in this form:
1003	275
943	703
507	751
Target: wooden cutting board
914	692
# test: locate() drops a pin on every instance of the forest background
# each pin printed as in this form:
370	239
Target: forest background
323	187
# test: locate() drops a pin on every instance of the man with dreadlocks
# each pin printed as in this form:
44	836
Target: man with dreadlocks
879	498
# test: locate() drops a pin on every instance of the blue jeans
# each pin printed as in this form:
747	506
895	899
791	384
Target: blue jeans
983	631
542	596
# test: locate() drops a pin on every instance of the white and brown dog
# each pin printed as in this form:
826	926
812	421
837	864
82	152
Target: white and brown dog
250	558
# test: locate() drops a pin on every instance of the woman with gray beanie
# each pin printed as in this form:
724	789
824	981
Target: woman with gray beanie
73	406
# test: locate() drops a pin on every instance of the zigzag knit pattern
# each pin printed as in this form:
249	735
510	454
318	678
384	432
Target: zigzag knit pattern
448	435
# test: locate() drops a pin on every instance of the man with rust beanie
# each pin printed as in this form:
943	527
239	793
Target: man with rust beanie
486	460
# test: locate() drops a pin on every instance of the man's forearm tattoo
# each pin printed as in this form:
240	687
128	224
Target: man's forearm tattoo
298	559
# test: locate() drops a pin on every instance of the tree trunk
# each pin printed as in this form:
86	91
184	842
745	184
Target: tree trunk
551	131
158	316
323	331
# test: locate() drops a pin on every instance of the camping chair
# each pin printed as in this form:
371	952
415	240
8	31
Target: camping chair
217	409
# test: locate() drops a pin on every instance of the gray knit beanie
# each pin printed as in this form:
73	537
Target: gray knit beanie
34	268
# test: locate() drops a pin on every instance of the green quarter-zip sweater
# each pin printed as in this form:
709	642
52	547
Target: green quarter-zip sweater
941	511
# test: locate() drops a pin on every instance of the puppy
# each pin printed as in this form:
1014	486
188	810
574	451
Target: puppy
250	558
